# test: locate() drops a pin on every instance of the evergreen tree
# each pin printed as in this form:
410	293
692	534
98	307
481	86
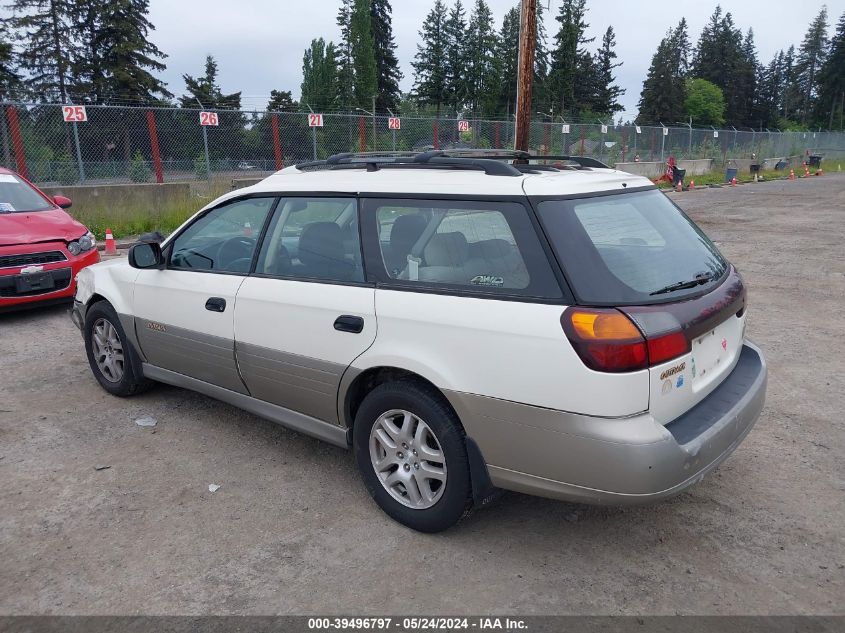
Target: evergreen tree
664	90
769	92
345	70
116	59
320	76
207	92
607	95
388	74
811	57
365	84
571	64
431	63
10	80
49	48
746	76
831	102
456	53
482	80
541	97
507	54
791	93
282	101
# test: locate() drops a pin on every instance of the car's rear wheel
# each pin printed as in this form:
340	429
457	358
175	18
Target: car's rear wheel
112	360
410	449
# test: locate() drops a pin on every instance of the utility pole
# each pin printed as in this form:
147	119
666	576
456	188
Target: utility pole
525	72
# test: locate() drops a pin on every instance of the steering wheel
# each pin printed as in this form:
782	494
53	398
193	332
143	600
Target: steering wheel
235	254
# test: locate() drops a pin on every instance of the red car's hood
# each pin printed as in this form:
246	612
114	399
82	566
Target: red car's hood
38	226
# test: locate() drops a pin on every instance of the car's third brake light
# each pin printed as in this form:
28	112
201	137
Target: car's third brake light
608	341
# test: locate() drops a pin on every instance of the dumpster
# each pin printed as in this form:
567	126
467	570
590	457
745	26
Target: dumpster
730	173
815	160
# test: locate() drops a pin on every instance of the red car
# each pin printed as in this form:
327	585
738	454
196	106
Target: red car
42	248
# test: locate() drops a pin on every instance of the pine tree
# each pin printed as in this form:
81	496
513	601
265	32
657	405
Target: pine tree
320	76
664	89
811	57
571	66
430	63
507	53
791	94
482	80
607	93
365	84
206	91
831	102
10	79
456	53
117	57
282	101
388	74
746	76
345	70
541	96
49	46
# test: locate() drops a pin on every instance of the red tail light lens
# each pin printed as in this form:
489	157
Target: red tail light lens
608	341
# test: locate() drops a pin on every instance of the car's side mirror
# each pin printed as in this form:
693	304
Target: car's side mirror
145	255
62	202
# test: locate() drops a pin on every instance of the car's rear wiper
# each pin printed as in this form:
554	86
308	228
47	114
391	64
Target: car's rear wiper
701	278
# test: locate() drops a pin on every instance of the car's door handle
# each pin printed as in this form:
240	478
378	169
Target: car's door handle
215	304
349	323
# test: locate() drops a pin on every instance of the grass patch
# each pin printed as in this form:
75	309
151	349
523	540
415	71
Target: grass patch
130	220
718	177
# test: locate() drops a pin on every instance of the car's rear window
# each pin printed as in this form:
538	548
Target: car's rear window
630	248
17	196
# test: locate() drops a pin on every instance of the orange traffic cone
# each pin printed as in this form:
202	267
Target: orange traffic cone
733	181
820	172
691	185
680	186
792	174
111	249
806	170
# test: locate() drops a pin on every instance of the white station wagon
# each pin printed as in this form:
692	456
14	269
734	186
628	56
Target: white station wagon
465	324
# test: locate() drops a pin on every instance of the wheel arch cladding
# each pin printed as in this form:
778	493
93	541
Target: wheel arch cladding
483	490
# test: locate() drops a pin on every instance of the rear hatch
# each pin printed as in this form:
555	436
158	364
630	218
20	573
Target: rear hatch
638	254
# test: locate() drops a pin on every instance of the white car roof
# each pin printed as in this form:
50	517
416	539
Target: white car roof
444	181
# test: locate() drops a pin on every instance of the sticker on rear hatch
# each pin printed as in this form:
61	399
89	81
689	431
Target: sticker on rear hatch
6	207
8	178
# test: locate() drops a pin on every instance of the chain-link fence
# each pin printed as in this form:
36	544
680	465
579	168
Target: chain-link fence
64	145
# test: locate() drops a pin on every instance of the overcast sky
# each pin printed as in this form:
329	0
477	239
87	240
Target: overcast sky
259	43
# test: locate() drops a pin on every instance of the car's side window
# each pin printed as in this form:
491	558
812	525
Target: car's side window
224	239
482	246
313	238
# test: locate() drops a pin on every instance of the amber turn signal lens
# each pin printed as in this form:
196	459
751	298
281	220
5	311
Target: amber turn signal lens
610	325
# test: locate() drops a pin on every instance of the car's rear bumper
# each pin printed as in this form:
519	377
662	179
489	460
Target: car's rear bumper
614	461
64	275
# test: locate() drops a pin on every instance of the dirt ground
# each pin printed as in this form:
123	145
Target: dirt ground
292	530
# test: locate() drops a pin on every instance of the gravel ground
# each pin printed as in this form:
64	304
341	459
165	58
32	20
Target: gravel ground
292	530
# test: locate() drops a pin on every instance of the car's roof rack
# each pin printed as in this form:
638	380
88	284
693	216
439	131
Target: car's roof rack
491	162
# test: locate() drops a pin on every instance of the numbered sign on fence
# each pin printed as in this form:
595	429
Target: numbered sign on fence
393	123
315	120
209	118
715	133
565	128
604	129
639	130
666	131
463	126
74	114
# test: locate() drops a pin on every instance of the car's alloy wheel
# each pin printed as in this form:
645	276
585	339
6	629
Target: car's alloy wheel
108	350
408	459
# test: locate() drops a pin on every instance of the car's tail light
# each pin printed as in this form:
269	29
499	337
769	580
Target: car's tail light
608	341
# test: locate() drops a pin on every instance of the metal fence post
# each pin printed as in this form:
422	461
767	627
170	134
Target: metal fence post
17	142
207	159
154	149
662	143
78	153
277	143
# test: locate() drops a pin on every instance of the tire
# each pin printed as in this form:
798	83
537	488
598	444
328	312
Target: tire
425	484
113	361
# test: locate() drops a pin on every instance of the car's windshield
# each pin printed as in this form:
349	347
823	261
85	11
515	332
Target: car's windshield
630	248
17	196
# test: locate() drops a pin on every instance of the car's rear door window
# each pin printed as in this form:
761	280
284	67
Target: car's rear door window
488	247
630	248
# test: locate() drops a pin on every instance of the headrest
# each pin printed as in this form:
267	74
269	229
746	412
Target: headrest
447	249
407	230
321	243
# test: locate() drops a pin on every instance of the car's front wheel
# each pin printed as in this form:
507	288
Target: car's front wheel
410	448
112	361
